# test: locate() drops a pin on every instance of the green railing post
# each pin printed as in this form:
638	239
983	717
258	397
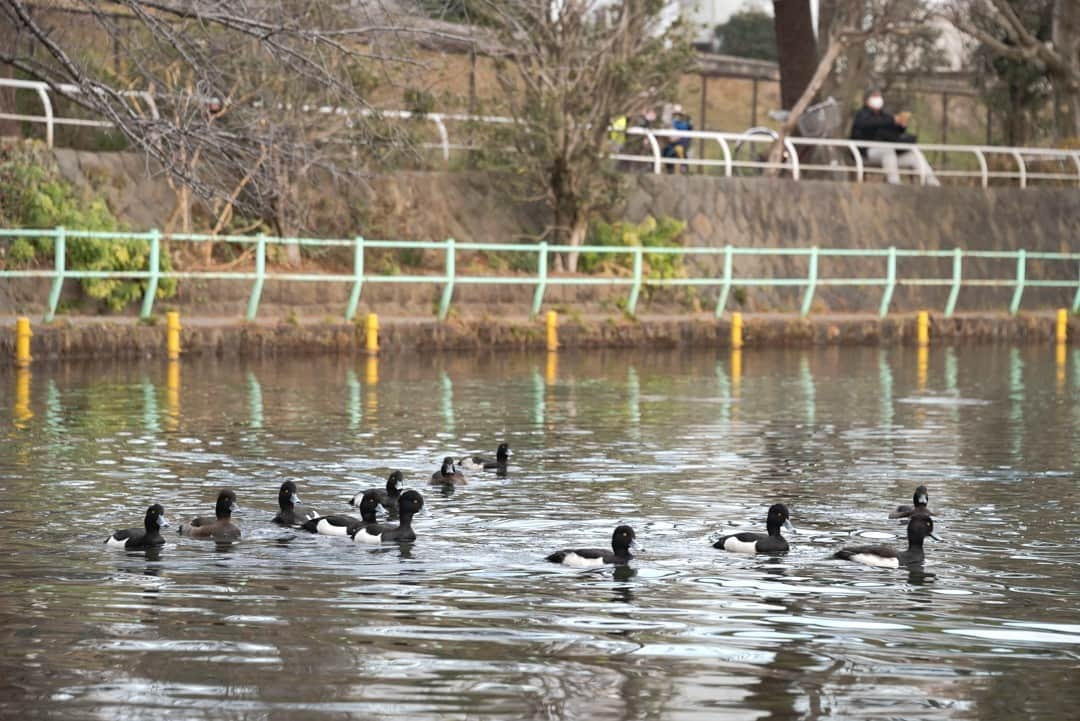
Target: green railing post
890	282
725	288
155	273
635	289
954	292
811	282
60	256
541	277
358	275
448	289
260	276
1076	298
1021	269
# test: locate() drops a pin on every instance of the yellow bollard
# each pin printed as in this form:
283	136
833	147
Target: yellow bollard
552	331
22	342
736	331
1062	325
924	328
172	334
372	334
22	398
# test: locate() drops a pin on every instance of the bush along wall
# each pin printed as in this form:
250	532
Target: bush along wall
34	195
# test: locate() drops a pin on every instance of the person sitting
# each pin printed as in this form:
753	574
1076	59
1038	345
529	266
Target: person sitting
678	147
618	133
873	123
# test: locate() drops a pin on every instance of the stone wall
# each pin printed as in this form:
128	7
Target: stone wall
764	213
756	212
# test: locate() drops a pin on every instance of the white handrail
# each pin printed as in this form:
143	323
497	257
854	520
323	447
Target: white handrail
1021	155
727	156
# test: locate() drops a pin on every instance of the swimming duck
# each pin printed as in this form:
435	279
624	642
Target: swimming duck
342	524
919	500
287	502
772	542
409	504
388	499
487	463
619	555
919	527
222	527
148	536
448	475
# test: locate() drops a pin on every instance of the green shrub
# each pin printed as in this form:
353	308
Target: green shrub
647	234
33	194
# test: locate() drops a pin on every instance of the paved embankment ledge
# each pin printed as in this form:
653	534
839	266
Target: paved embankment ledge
75	338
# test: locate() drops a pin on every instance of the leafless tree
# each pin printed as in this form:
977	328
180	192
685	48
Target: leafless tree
852	22
238	84
568	69
1060	57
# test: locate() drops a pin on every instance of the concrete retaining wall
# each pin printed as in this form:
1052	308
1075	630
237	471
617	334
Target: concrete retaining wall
756	212
118	338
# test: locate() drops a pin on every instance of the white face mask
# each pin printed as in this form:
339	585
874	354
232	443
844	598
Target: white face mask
875	102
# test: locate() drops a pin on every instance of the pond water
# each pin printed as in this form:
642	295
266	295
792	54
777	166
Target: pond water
470	621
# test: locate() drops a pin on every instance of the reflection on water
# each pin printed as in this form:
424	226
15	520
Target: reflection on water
469	621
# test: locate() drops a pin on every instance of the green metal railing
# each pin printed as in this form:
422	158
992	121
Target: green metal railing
635	282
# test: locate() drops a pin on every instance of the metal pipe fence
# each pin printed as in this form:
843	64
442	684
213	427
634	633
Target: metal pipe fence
829	157
890	279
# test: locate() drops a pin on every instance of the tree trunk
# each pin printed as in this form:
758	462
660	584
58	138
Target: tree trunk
7	95
1065	34
797	48
578	231
817	79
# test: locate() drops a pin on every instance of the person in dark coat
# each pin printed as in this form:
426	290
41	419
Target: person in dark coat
872	123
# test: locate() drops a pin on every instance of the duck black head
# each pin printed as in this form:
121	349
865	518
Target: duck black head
502	453
368	505
622	539
921	497
918	528
287	497
393	484
448	466
155	518
410	503
226	504
778	516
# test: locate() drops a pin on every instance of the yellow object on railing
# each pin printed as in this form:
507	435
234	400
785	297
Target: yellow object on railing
923	328
1062	325
22	342
552	330
372	333
172	334
736	331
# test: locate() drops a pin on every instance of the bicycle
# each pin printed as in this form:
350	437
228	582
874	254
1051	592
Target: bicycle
820	120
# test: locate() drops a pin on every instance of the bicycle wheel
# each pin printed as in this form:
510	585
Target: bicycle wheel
751	151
